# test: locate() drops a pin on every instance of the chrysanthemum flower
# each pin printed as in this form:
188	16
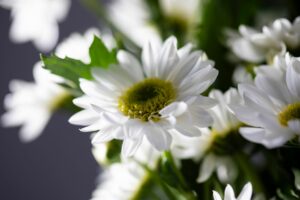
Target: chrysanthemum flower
127	179
272	104
245	194
36	20
130	101
31	104
253	46
132	17
198	148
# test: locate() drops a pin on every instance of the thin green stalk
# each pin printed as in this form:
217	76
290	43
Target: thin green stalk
248	169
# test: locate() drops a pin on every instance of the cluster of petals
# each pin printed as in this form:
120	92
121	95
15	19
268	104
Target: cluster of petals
36	20
254	46
273	90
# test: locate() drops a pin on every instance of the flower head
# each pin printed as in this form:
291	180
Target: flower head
245	194
271	104
129	101
30	104
253	46
36	20
126	179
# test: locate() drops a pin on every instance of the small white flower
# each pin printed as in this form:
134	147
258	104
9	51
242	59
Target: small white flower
30	104
132	17
129	101
197	147
245	194
253	46
36	20
271	104
183	11
125	180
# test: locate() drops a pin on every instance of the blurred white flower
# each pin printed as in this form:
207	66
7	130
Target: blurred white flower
245	194
125	180
36	20
197	147
132	17
254	46
129	101
271	104
183	11
30	104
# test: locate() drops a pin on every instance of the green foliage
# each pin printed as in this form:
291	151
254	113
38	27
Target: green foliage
100	55
68	68
72	70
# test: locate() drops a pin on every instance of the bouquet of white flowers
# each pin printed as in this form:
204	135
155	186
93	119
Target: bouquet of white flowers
181	97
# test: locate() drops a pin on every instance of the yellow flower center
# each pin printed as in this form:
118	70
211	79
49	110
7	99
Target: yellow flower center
290	112
145	99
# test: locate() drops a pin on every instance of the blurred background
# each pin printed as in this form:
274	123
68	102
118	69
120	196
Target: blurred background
58	165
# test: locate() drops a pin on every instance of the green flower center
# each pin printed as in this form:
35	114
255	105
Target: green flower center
145	99
290	112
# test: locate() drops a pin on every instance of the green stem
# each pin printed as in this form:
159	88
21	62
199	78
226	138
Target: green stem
168	155
249	171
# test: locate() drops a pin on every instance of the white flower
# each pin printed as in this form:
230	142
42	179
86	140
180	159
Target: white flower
253	46
126	179
184	11
77	45
132	17
197	147
36	20
245	194
30	104
129	101
272	104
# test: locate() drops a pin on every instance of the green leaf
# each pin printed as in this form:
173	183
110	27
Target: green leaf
100	55
68	68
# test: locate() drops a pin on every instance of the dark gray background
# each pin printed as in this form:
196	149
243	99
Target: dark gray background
58	165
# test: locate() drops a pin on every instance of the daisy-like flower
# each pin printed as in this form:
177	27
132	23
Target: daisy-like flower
254	46
245	194
198	148
184	13
30	104
125	180
36	20
130	101
271	105
132	17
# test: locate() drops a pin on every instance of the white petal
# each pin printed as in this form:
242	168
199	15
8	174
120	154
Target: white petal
294	125
229	193
174	109
131	65
207	168
216	196
84	118
246	192
101	137
158	137
130	146
293	77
